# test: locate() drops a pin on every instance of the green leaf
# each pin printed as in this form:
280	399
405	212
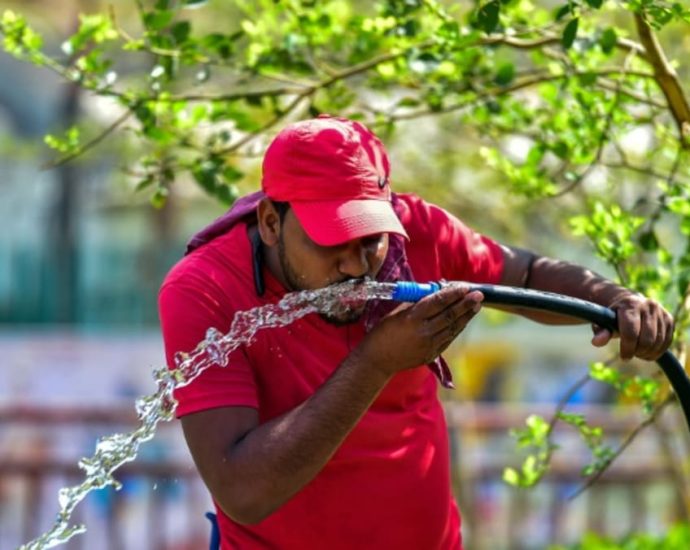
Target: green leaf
538	426
159	197
230	173
683	282
220	43
587	78
608	40
144	183
409	102
563	11
648	241
157	20
603	373
574	419
66	144
180	31
505	74
569	33
594	3
560	149
511	477
487	16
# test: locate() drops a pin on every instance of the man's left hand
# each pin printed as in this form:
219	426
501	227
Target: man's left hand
645	328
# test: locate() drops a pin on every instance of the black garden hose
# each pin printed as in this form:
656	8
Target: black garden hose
557	303
588	311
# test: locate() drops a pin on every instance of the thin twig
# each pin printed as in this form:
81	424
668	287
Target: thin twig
90	144
675	466
647	171
280	116
623	446
560	406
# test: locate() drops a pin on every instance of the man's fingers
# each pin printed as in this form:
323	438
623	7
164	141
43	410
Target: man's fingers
601	336
663	334
629	324
658	347
401	307
447	336
647	339
431	306
454	318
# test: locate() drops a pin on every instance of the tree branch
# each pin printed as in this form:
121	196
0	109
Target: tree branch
613	86
280	116
550	39
519	85
667	79
633	168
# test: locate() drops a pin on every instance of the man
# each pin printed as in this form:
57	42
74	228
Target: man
328	433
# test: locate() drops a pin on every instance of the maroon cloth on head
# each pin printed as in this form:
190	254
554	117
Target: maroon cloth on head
242	207
395	266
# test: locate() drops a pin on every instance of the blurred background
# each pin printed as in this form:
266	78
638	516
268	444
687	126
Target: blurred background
82	254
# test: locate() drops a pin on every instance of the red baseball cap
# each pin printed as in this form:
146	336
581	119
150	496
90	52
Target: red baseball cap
334	172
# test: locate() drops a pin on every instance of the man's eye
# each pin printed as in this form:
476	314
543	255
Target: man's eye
374	240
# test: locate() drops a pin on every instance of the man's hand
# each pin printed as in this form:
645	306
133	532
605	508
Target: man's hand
414	335
645	328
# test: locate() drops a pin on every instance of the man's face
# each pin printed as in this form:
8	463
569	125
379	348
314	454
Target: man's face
306	265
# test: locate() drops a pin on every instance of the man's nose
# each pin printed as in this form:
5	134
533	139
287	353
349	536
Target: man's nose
354	262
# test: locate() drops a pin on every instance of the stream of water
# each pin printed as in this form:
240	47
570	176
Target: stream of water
115	450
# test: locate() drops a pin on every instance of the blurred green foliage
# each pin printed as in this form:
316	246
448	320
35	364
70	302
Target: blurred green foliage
678	538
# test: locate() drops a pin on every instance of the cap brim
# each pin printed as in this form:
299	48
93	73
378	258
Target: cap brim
329	223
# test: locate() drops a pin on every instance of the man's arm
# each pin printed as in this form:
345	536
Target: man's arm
252	469
645	328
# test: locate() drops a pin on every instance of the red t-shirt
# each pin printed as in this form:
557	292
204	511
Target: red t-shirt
388	485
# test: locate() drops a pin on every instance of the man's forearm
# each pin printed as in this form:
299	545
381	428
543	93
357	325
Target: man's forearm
645	327
522	268
573	280
278	458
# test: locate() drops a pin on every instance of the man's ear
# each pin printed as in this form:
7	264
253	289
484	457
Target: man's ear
268	222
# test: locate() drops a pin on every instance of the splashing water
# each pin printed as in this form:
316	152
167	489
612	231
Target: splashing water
115	450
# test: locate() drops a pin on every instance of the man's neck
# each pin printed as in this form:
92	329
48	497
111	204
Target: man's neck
269	255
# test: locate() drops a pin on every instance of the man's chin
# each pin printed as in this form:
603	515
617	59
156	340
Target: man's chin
342	319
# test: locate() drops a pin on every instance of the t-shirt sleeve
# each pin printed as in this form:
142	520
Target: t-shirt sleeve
186	313
455	251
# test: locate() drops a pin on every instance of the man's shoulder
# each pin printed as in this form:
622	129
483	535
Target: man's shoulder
421	217
215	264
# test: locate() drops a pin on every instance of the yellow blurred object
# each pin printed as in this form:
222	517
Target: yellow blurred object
476	365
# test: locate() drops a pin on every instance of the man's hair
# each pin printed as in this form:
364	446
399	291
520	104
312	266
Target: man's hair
282	208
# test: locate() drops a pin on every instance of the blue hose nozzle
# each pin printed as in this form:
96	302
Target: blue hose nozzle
409	291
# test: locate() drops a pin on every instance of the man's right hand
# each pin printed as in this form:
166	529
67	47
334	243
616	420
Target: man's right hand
415	334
